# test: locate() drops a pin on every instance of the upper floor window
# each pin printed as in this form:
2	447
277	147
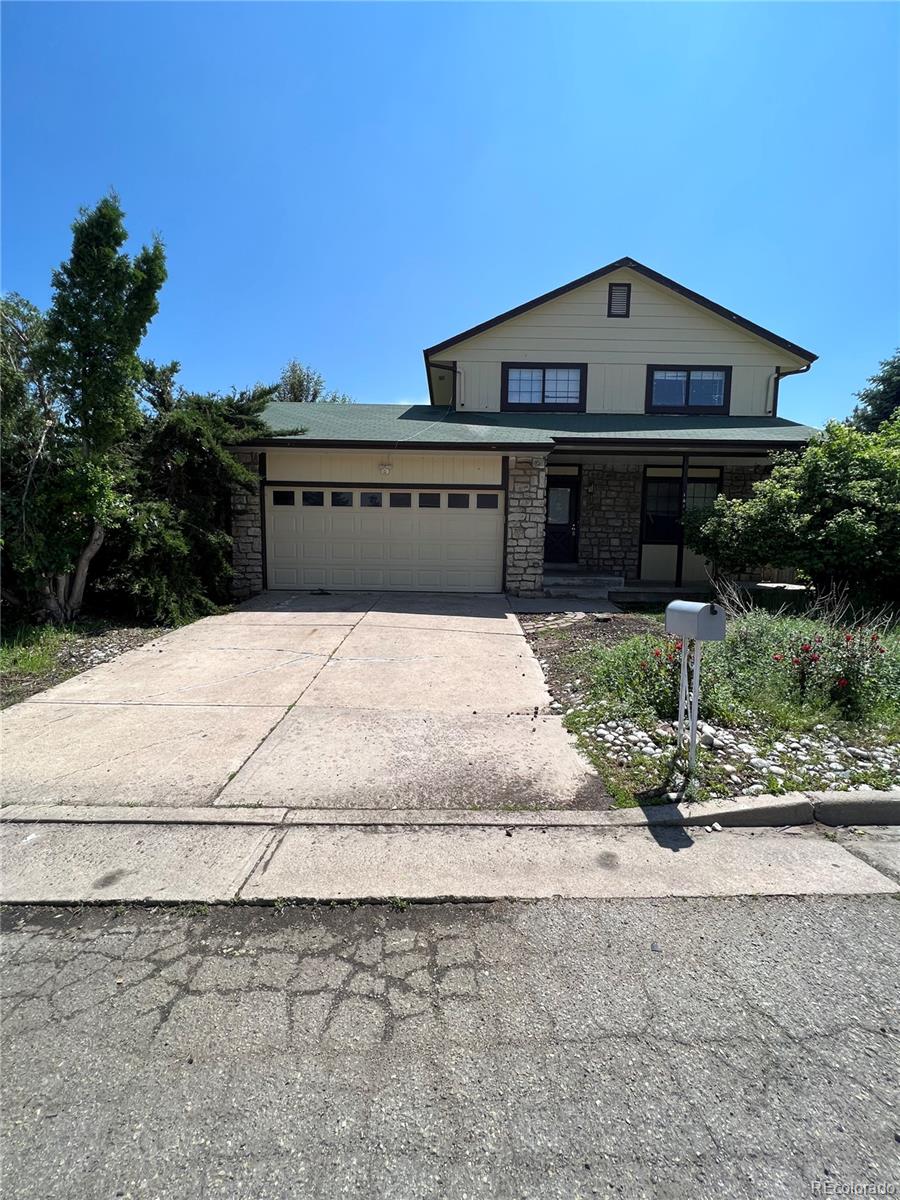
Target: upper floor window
618	300
688	389
559	387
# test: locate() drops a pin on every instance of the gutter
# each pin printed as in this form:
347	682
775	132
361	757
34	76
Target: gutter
779	375
569	444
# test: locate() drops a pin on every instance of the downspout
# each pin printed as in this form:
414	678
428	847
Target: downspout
776	380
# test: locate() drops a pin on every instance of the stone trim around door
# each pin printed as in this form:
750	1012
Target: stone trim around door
247	534
526	517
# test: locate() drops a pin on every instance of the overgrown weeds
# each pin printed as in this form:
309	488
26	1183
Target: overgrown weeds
787	672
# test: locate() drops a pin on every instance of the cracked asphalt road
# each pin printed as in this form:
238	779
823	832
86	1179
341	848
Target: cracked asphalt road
664	1048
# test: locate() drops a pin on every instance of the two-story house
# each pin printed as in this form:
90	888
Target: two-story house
566	435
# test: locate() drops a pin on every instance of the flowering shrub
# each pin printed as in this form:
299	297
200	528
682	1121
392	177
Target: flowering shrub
844	667
790	672
660	675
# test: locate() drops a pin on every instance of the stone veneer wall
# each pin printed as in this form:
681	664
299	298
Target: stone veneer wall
738	481
609	534
246	530
526	517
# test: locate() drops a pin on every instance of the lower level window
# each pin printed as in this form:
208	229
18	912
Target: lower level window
662	510
429	500
401	500
282	498
488	500
313	499
370	499
661	522
458	500
341	499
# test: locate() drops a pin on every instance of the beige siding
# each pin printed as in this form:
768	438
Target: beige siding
364	466
663	328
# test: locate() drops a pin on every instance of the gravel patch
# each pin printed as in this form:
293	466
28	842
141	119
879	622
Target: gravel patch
637	762
79	651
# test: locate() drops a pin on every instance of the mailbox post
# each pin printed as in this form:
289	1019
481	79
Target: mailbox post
695	624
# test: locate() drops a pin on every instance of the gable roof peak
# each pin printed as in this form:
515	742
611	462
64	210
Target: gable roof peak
631	264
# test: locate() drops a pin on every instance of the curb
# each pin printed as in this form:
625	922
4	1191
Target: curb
791	808
857	808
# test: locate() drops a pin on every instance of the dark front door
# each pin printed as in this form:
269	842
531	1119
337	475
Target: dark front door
561	535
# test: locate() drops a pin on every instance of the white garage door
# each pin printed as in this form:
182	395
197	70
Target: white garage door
400	539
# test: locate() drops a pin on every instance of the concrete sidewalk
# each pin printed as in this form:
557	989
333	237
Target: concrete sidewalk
79	862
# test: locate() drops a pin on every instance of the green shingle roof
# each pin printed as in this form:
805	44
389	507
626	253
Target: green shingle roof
399	425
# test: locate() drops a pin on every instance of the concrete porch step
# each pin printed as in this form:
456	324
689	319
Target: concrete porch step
657	593
583	585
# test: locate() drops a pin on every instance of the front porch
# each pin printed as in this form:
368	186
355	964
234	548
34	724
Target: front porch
612	524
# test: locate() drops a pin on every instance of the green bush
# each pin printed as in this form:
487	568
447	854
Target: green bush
832	512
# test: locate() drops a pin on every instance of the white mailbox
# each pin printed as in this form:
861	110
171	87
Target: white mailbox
695	622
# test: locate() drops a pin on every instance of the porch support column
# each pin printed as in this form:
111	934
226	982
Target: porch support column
248	559
679	561
526	515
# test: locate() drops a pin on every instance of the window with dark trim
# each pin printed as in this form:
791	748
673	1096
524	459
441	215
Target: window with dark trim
688	389
370	499
429	500
486	500
313	499
400	500
279	498
458	500
554	387
662	510
341	499
662	506
618	300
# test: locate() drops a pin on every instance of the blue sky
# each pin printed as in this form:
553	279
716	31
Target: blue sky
347	183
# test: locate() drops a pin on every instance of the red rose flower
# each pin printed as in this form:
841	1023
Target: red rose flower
796	662
848	637
814	658
777	657
874	637
842	682
806	646
657	653
679	645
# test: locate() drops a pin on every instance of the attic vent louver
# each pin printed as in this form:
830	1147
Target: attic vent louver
618	302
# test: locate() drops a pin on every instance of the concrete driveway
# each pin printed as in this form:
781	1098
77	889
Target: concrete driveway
362	701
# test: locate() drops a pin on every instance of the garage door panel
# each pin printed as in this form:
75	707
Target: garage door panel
343	577
284	524
344	524
399	548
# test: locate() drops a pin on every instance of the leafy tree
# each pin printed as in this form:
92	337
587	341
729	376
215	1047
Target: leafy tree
300	384
28	415
881	399
72	377
831	511
171	560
